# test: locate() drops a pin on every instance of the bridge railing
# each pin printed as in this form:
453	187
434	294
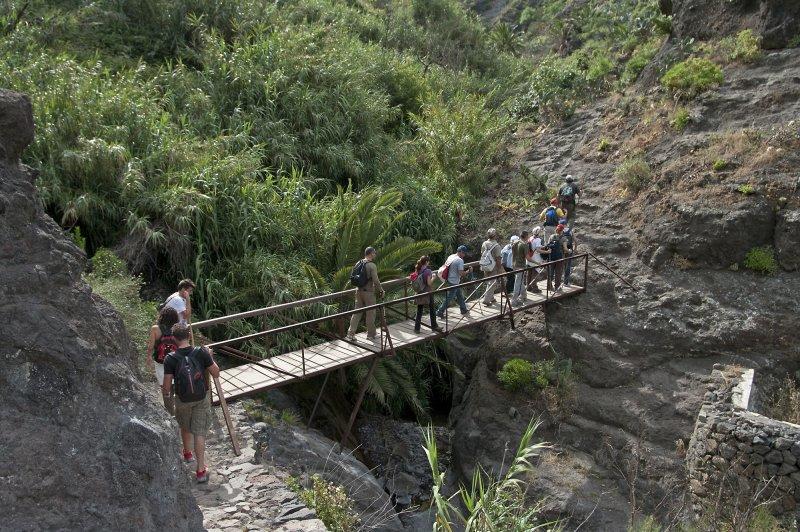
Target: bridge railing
313	325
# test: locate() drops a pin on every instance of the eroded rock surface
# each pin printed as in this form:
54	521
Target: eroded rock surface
84	446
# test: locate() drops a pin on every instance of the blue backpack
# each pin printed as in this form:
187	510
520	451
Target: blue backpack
551	216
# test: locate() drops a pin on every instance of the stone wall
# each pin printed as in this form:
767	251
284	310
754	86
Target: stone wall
739	455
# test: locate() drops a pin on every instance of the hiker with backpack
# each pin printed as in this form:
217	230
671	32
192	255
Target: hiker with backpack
188	367
491	264
534	257
507	258
571	247
453	271
550	216
558	250
160	344
422	283
181	301
566	197
519	254
364	276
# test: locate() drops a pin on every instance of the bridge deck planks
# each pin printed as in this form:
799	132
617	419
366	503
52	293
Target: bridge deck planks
247	379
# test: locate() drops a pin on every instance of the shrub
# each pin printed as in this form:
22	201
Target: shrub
745	46
516	375
603	145
785	403
746	189
330	501
543	373
633	173
761	260
719	165
680	119
110	280
693	76
640	57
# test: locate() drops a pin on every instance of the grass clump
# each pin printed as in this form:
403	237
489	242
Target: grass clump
489	502
640	57
604	145
516	375
747	189
693	76
680	119
633	173
110	280
745	47
719	165
762	260
331	503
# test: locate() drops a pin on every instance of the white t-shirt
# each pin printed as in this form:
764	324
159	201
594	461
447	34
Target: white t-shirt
536	243
178	303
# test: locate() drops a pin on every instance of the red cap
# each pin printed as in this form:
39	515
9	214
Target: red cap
560	227
554	201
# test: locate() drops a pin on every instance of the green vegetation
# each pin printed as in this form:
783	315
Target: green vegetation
719	165
634	174
110	280
761	260
693	76
516	375
640	57
489	503
680	119
329	501
745	47
747	189
603	145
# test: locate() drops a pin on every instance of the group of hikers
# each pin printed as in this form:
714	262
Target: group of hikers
537	251
182	370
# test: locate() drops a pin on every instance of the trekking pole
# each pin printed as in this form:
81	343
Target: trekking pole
227	415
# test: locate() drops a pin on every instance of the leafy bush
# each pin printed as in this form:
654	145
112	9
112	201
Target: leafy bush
746	189
329	501
761	260
745	46
680	119
603	145
633	173
110	280
719	165
693	76
516	375
640	57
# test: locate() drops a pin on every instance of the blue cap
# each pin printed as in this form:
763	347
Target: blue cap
461	249
563	221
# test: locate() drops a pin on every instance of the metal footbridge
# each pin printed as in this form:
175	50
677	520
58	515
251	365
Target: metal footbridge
321	343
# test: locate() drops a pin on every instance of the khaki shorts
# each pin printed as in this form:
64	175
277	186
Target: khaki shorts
195	416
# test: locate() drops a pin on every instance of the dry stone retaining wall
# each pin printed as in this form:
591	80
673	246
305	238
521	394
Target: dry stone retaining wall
740	454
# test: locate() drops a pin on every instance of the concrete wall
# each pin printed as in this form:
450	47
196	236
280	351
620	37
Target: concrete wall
740	454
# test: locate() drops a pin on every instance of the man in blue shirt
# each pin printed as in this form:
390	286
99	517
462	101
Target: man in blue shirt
456	271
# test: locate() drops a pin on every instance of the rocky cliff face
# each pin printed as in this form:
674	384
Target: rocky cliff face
641	357
84	447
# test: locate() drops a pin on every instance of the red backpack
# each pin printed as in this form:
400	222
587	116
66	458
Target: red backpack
166	345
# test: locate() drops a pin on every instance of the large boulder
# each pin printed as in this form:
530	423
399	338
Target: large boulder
305	452
787	239
776	21
84	445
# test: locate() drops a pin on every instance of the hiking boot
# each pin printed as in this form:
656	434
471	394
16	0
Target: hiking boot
188	457
436	328
465	313
372	338
351	337
416	329
202	476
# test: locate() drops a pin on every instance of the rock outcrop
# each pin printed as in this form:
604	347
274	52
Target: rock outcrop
776	21
641	358
84	445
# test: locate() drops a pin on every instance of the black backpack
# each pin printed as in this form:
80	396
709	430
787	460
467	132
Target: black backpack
190	376
358	275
